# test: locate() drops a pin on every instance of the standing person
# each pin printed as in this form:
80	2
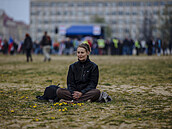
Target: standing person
95	47
68	46
164	47
75	44
116	46
150	45
82	78
101	45
131	44
107	46
46	46
5	47
170	46
143	44
28	47
125	46
137	46
158	46
62	47
120	44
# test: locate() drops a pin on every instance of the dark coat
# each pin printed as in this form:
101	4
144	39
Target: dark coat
46	41
28	44
82	76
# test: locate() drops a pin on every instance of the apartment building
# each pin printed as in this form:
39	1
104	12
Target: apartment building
11	28
126	18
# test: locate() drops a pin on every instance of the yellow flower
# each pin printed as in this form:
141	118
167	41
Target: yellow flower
60	109
26	97
52	118
34	106
63	110
79	104
65	103
12	111
36	119
22	97
139	119
60	104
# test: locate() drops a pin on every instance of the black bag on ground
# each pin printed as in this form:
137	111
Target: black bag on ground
50	93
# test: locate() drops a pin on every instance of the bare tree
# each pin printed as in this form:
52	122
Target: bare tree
166	22
147	28
107	29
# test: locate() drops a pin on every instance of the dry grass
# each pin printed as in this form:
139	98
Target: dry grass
141	88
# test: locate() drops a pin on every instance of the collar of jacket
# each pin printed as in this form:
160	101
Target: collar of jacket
87	60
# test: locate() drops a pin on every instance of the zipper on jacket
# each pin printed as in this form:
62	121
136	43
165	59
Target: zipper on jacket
83	73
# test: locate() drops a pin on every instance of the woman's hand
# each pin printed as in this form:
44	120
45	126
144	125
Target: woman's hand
77	95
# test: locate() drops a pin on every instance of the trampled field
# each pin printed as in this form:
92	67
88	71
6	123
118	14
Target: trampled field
141	88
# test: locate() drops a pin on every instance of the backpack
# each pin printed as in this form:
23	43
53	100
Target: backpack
50	94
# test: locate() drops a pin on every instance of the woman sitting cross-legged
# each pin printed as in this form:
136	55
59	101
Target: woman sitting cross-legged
82	78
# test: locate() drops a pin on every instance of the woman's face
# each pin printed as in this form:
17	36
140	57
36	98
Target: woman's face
82	54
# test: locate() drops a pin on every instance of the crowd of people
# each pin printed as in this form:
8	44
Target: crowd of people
99	46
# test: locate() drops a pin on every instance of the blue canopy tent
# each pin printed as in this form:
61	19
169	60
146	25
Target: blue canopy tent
81	30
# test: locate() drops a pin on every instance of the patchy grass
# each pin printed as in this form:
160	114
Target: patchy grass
141	88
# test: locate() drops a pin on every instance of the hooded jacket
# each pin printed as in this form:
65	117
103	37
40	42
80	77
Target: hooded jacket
82	76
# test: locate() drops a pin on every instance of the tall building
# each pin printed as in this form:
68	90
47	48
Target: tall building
125	18
11	28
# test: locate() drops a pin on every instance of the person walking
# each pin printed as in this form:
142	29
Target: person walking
46	46
28	45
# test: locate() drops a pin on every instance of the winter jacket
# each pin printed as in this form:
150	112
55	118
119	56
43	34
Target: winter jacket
45	41
82	76
28	44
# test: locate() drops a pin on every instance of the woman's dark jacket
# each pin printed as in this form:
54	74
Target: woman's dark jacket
82	76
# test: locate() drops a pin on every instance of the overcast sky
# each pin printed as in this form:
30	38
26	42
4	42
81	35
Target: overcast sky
17	9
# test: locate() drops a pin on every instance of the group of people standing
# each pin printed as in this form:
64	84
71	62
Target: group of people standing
99	46
115	46
128	46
